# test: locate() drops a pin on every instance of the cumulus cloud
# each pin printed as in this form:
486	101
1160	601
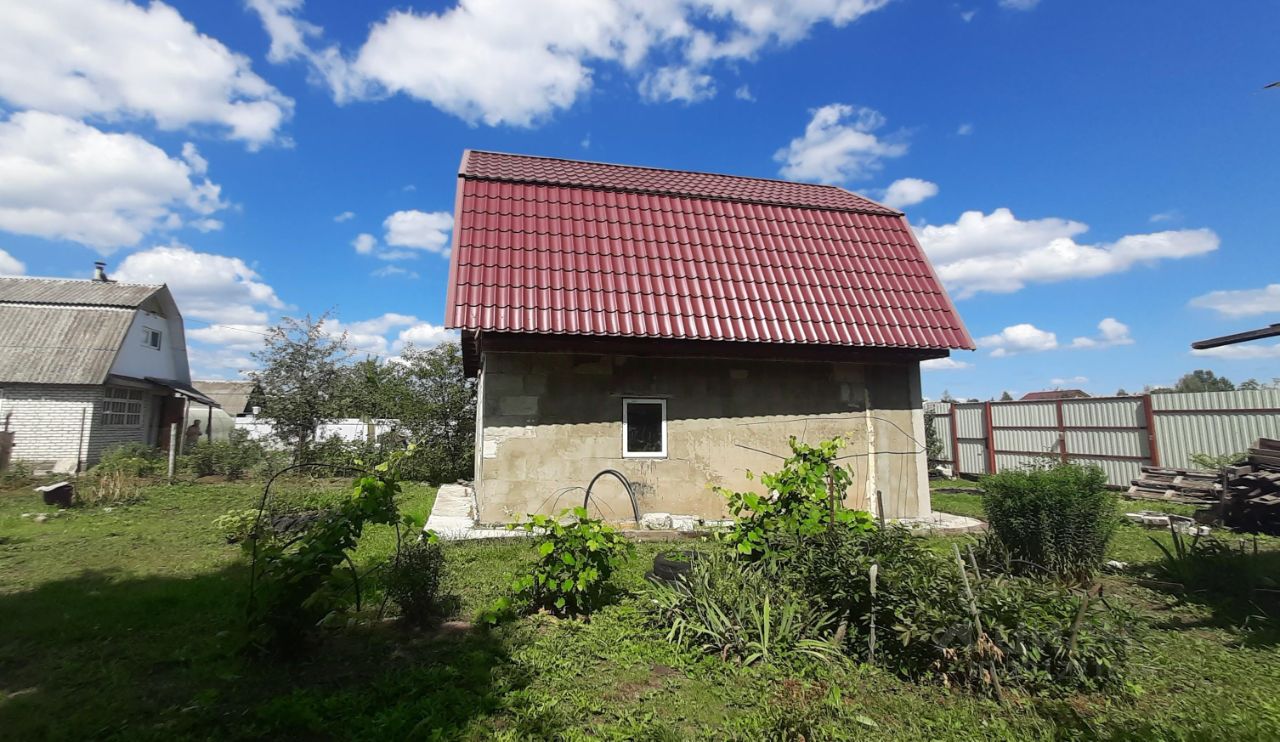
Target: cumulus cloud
64	179
944	364
1241	302
115	59
364	243
516	63
1111	332
683	84
908	192
213	288
419	230
1000	253
744	93
345	216
390	333
11	266
1020	338
1242	352
838	145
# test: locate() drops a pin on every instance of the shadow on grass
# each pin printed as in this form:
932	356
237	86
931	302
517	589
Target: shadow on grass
105	655
1240	589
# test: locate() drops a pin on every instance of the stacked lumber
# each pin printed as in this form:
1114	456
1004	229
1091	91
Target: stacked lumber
1245	496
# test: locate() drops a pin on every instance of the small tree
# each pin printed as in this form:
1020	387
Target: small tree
439	411
1006	397
1121	392
300	368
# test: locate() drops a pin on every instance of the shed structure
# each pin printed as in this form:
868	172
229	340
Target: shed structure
680	327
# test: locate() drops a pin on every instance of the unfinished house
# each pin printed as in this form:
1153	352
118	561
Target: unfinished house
85	365
679	327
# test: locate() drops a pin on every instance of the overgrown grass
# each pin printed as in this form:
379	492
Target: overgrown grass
127	625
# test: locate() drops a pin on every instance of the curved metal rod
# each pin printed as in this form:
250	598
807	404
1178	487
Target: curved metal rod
626	484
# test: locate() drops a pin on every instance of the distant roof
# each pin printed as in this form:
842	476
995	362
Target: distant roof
64	331
232	396
549	246
77	292
1054	394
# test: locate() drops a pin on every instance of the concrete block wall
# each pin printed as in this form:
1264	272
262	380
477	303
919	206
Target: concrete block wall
547	422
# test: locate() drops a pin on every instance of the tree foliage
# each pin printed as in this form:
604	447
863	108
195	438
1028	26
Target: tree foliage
1203	380
301	364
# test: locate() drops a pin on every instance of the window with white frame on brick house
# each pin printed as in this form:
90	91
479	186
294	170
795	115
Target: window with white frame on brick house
122	407
644	428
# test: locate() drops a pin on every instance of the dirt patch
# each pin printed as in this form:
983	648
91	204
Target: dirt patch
636	688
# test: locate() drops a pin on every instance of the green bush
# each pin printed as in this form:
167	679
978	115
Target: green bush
413	581
232	458
1244	580
236	525
1059	520
18	474
923	624
743	610
132	460
577	555
798	504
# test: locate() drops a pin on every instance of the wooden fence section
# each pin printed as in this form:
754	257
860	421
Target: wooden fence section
1118	434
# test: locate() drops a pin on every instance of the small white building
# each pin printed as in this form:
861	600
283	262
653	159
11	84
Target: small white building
85	365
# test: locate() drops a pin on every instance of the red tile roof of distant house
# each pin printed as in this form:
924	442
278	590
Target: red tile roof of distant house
549	246
1054	394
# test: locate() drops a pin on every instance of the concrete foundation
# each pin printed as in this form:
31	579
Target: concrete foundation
547	423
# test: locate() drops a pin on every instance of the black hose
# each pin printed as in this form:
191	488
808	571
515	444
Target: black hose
626	484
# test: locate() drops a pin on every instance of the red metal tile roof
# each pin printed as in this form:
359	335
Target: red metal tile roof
549	246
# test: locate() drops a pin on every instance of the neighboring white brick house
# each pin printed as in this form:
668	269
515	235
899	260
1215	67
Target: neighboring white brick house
85	365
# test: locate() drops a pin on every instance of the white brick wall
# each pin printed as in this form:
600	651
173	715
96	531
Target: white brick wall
59	426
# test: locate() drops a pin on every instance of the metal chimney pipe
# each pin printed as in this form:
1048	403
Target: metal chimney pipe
100	271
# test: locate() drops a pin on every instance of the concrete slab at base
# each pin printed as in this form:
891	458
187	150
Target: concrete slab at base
943	524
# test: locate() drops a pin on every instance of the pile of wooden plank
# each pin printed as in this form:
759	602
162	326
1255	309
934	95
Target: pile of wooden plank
1245	496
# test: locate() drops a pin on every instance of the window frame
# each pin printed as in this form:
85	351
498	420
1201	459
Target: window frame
147	334
122	404
626	405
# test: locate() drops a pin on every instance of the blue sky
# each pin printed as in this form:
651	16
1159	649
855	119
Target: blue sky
1095	181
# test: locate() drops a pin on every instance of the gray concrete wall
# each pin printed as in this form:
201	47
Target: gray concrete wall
546	422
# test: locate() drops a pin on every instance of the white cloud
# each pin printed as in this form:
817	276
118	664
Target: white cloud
11	266
390	332
241	338
1019	4
908	192
115	59
684	84
744	93
1242	351
1111	332
208	287
944	364
425	334
516	63
964	130
1241	302
1165	216
63	179
419	230
1020	338
345	216
364	243
1000	253
967	15
390	271
1071	380
838	145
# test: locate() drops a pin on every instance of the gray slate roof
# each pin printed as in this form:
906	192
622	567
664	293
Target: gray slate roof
61	331
232	396
65	291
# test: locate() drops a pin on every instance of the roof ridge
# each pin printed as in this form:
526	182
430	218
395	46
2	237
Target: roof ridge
667	191
64	279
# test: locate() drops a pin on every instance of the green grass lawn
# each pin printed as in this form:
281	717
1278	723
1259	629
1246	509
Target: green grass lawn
128	625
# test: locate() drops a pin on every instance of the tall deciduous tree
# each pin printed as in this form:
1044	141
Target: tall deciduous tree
1203	380
300	365
439	412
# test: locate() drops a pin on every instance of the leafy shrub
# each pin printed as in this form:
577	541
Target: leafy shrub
924	627
231	458
236	525
413	581
1059	519
803	501
133	460
575	561
1215	463
1245	581
18	474
739	609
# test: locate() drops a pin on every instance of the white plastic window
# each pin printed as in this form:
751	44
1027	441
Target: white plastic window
644	428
